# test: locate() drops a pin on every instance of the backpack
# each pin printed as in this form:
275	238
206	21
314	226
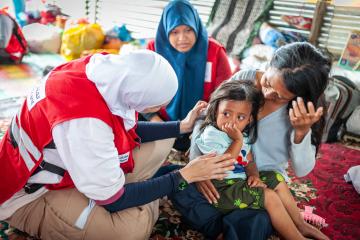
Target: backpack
353	126
13	45
342	97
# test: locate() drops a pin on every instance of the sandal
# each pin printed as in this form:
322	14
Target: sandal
313	218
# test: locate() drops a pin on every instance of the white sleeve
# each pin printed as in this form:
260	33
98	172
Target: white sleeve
87	148
302	155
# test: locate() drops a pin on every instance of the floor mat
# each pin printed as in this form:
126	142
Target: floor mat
337	201
324	188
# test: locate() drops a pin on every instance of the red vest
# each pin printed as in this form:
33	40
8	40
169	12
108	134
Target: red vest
67	94
209	85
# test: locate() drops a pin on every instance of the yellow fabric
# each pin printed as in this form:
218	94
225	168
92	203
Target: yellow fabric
79	38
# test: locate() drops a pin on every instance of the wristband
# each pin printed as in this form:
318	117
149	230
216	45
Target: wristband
182	183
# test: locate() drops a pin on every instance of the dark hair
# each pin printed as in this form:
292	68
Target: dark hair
305	70
237	91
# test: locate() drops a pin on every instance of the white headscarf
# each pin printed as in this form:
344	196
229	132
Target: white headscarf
132	82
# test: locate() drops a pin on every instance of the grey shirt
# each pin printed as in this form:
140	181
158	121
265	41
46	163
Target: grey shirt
275	146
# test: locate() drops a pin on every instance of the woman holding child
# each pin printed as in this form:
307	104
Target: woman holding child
289	127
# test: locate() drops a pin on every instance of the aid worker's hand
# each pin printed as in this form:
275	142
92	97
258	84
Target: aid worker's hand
209	166
187	124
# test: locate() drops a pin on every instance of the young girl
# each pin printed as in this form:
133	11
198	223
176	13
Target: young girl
231	127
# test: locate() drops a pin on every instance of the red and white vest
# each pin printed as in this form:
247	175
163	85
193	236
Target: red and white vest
67	94
210	72
211	65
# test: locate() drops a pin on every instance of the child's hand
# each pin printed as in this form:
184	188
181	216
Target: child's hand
208	190
232	131
254	181
187	124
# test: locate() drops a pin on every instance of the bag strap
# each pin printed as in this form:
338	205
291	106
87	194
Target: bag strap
33	187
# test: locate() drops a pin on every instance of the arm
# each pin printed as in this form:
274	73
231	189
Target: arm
157	129
234	148
86	146
237	139
302	155
253	173
152	131
87	149
139	193
251	169
302	152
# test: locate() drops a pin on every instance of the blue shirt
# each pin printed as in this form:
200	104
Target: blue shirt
212	139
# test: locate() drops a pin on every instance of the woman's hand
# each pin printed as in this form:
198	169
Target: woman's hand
208	190
209	166
255	181
233	132
303	118
187	124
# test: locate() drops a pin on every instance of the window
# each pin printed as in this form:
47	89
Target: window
336	23
140	16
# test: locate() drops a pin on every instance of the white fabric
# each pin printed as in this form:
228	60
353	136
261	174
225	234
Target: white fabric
42	38
132	82
82	219
50	156
86	146
18	200
353	123
302	155
353	176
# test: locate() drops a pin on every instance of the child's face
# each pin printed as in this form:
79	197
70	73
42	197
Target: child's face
234	112
182	38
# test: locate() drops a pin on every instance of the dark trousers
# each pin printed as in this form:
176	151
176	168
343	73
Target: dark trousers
240	224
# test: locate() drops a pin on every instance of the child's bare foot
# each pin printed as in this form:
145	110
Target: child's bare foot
308	230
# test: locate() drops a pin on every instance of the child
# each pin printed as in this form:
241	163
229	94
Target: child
231	127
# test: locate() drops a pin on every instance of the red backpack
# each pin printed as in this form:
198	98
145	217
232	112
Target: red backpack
13	45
